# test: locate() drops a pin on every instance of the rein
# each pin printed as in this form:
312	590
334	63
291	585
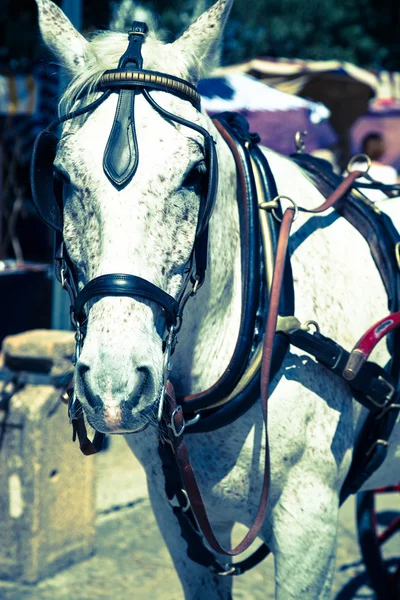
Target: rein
175	423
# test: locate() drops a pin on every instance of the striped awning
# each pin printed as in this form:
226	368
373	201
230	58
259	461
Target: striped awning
292	75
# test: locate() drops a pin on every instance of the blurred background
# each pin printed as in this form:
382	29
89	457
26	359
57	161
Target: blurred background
328	67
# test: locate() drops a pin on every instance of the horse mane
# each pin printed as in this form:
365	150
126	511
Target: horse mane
104	51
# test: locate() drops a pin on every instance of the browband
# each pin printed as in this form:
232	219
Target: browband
151	80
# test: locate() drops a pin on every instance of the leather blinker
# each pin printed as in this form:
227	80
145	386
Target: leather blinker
121	156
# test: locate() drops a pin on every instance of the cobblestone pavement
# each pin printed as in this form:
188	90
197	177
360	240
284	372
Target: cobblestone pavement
131	561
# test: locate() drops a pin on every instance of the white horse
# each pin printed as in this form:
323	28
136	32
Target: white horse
148	230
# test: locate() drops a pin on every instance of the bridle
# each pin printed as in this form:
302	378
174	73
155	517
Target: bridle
120	163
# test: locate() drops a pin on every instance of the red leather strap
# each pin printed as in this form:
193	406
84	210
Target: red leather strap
181	453
337	195
175	413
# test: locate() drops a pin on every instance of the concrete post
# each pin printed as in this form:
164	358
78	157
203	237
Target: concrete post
47	501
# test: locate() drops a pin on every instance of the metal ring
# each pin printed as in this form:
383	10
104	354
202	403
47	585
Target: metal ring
359	158
172	425
296	208
183	508
310	323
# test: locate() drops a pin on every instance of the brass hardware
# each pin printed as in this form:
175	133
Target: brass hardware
296	208
196	287
376	209
397	251
359	158
300	142
229	571
288	324
149	78
269	205
137	33
354	364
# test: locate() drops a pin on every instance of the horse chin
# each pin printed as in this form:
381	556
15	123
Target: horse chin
117	421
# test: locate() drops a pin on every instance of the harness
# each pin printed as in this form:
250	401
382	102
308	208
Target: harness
267	325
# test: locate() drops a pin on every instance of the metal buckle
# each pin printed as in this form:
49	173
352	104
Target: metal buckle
172	425
388	397
178	504
185	424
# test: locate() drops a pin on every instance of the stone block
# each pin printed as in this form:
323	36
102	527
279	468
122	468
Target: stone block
47	499
40	350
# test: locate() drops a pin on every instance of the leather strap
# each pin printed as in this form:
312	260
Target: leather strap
153	80
250	260
339	194
209	197
239	404
121	156
175	417
119	284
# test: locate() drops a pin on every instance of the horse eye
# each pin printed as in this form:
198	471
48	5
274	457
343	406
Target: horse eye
194	178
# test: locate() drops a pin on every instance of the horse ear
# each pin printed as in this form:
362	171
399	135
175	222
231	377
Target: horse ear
61	37
200	44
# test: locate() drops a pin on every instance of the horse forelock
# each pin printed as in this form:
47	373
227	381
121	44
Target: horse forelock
103	53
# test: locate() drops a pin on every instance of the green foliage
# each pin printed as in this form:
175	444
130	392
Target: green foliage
365	32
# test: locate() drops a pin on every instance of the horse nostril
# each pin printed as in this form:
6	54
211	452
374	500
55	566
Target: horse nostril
83	370
142	381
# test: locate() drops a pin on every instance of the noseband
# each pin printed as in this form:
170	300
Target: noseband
120	163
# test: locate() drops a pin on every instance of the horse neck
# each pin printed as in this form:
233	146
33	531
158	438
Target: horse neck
211	321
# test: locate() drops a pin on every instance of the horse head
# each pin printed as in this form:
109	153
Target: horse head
146	227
